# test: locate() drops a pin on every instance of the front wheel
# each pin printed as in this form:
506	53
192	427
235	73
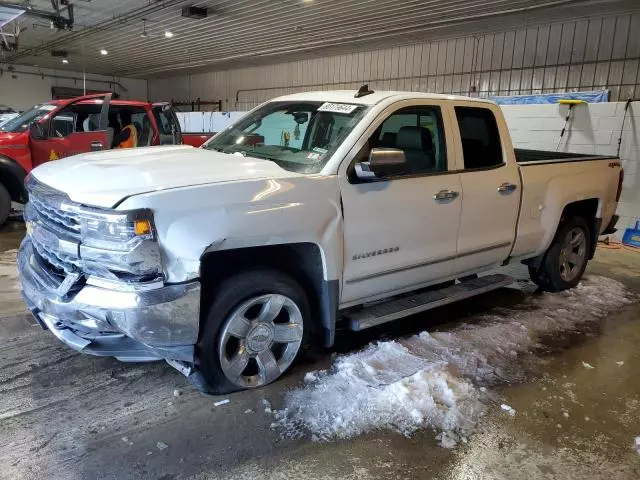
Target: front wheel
254	330
5	204
566	260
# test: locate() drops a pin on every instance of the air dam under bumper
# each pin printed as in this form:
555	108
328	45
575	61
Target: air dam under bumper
135	325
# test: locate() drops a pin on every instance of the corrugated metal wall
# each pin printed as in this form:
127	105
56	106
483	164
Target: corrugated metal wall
588	54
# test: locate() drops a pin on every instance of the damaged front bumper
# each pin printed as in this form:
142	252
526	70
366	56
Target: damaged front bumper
131	322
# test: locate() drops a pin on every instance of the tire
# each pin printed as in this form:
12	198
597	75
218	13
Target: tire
535	276
566	259
5	204
242	327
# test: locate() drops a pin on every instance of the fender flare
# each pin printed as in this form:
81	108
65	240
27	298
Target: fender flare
302	261
12	177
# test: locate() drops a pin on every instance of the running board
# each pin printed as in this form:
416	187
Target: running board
409	305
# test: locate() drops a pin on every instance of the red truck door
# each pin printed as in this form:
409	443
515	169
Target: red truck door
78	127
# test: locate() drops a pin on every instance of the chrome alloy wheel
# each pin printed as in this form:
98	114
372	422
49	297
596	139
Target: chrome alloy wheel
260	340
573	254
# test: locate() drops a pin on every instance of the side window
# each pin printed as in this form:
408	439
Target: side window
91	123
164	122
419	133
63	124
168	125
142	123
480	137
76	118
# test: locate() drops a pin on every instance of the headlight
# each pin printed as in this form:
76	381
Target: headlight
116	231
120	245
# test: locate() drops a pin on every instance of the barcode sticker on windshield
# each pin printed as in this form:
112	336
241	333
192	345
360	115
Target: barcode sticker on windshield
337	108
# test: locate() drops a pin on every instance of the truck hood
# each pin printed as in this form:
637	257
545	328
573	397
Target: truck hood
103	179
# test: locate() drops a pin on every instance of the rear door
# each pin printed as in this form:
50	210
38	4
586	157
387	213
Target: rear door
78	127
490	188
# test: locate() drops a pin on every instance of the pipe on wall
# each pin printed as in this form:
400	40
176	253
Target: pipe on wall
64	77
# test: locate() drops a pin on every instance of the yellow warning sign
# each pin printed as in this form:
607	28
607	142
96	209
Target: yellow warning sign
53	155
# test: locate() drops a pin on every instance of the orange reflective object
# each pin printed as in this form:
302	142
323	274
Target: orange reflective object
142	227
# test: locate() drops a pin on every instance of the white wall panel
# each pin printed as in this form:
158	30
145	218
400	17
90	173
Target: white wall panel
584	54
605	49
34	86
595	128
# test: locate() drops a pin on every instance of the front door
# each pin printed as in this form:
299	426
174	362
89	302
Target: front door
401	231
78	127
490	190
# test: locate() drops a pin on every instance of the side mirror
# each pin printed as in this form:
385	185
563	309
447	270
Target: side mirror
382	162
36	131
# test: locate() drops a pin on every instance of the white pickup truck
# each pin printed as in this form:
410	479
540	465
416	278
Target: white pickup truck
313	210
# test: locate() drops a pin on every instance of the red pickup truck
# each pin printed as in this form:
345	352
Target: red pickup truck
61	128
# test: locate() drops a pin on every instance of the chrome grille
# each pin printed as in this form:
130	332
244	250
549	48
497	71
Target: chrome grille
62	263
55	230
54	210
56	218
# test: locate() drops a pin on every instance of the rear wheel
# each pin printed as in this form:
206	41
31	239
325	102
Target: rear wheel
5	204
567	257
254	330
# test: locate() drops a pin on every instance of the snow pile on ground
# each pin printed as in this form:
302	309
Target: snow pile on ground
438	379
385	385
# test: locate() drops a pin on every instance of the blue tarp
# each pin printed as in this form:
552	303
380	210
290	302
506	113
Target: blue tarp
589	97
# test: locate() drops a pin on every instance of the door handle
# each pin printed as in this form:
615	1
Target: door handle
96	146
445	195
507	188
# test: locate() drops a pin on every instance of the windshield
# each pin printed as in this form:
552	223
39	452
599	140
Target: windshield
298	136
22	122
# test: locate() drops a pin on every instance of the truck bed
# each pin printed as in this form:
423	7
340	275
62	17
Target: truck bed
527	157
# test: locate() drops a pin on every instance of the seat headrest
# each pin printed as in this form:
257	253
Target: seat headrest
388	139
414	138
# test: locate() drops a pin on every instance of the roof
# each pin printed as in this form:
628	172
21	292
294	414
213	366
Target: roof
121	103
348	96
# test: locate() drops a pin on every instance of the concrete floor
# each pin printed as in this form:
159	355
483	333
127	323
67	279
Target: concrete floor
71	416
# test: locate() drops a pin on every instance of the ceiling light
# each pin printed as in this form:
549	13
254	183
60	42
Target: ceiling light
168	34
65	61
104	52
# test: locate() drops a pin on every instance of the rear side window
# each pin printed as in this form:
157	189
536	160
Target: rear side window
166	120
480	138
168	126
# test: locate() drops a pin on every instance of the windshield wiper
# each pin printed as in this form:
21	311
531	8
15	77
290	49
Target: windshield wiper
261	156
247	153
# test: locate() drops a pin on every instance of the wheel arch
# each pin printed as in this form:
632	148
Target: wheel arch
302	261
587	209
12	177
